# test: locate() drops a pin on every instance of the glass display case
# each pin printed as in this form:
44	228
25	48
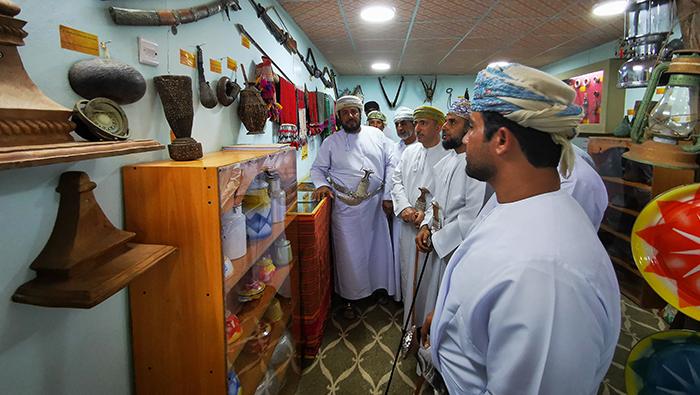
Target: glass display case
219	317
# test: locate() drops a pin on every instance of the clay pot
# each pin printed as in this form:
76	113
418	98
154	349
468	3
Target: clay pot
252	110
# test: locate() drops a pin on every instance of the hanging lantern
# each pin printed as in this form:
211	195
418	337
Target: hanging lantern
648	23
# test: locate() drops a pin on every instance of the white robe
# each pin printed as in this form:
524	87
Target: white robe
529	303
584	185
361	243
414	170
400	147
460	198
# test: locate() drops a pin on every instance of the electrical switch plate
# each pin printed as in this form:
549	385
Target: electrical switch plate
148	52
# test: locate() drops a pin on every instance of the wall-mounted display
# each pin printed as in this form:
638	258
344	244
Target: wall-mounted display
27	117
206	94
227	91
589	95
596	93
106	77
171	17
100	119
175	92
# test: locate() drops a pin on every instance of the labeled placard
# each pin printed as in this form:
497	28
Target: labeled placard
79	41
187	58
245	41
231	64
215	66
304	151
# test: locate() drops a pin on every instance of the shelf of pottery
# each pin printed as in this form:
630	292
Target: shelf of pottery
222	316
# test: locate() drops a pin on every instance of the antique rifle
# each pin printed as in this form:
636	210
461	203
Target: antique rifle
283	37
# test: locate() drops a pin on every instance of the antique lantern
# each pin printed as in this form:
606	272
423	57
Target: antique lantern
672	132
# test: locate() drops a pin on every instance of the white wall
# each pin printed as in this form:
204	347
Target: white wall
71	351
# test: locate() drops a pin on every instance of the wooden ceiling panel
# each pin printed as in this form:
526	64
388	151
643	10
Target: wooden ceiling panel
534	32
379	32
451	10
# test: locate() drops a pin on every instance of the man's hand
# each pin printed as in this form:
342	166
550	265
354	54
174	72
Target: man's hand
388	207
407	214
423	239
425	329
418	218
322	192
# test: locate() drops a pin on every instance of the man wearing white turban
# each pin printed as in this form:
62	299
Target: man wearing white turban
529	303
353	167
403	121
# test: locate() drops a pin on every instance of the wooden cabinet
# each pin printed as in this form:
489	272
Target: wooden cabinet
184	334
631	186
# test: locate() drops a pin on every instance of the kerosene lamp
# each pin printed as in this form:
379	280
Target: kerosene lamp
667	136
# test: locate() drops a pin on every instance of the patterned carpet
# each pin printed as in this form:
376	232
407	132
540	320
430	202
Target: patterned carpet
356	356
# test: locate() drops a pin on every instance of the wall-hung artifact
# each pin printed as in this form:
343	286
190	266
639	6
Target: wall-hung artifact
597	94
648	23
252	110
173	17
282	36
668	132
242	31
392	104
175	93
100	119
86	259
428	88
227	91
27	116
106	77
206	94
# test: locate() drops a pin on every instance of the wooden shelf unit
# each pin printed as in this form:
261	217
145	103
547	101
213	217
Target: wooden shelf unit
39	155
253	311
178	309
625	201
255	250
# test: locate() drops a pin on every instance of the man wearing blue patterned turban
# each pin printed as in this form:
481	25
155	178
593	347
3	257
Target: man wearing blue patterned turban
529	303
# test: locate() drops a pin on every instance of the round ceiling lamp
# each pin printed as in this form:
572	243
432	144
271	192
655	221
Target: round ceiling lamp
609	8
500	63
381	66
377	13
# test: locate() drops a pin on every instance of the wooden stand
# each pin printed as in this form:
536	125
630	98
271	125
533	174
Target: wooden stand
27	116
86	258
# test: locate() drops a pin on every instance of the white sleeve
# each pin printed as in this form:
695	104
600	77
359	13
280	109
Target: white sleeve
390	162
321	165
398	192
451	235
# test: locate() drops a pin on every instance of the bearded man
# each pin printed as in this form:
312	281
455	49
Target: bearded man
529	303
352	167
458	199
414	171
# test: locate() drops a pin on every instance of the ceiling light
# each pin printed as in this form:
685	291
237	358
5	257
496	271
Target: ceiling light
610	7
380	66
377	13
498	64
